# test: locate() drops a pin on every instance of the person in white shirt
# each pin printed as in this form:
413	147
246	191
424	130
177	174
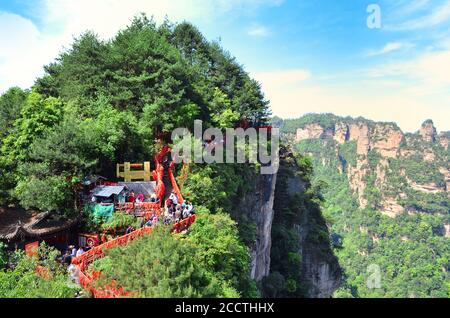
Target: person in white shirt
174	198
80	252
73	250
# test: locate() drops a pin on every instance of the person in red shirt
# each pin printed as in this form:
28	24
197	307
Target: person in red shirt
131	197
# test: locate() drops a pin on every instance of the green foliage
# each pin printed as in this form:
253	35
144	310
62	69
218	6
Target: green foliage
222	115
410	250
120	221
49	194
21	281
3	256
37	116
161	265
297	206
217	186
327	121
347	152
222	253
11	103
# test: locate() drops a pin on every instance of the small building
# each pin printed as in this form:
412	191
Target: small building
19	227
93	181
109	194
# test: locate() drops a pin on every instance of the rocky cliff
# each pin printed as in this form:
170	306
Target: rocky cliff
302	262
380	149
320	270
257	206
314	270
386	205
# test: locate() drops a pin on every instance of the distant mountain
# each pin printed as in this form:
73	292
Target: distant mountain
387	197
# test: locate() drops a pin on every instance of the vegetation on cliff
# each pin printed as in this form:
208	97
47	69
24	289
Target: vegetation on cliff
400	230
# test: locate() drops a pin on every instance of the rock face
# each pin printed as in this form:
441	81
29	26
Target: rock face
428	131
320	271
341	133
360	133
356	175
447	230
444	140
391	208
311	131
386	140
446	173
377	145
258	207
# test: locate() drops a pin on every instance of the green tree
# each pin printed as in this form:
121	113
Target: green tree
11	103
221	252
22	281
160	265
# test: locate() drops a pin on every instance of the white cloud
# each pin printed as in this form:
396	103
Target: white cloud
258	31
26	48
438	15
388	48
106	17
378	99
427	73
282	78
24	51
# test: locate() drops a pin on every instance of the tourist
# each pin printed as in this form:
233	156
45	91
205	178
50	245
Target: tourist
67	258
177	214
189	207
131	197
129	230
140	198
73	251
174	198
169	202
80	252
149	223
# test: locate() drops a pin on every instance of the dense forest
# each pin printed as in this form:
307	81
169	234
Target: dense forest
107	102
384	222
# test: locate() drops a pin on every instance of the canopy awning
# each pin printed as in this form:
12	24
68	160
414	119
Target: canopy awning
107	191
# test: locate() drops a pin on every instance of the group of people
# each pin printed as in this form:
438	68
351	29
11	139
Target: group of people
152	221
140	198
71	253
175	212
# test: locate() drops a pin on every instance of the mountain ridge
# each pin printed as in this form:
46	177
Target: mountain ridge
386	193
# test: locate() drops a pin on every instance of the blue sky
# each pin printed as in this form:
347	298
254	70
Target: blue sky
309	55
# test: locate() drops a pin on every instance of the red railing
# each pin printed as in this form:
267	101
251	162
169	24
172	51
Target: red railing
87	279
82	262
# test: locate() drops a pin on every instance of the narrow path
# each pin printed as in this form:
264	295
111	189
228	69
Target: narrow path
164	172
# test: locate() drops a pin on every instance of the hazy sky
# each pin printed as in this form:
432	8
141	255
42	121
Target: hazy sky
310	56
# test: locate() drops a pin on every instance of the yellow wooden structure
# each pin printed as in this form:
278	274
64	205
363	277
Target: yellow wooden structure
134	171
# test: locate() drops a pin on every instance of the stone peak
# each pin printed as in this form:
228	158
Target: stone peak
428	131
428	122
